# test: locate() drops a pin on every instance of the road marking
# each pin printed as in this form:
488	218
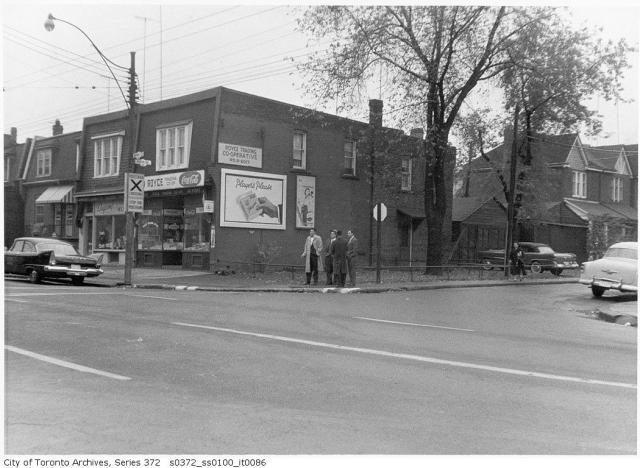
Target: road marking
412	324
16	300
70	365
61	294
153	297
413	357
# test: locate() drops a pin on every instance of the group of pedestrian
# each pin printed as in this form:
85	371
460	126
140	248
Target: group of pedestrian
337	259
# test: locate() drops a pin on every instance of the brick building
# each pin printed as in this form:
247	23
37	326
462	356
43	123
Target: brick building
15	155
233	179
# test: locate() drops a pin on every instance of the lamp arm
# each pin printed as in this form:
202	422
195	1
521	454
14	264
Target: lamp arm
102	56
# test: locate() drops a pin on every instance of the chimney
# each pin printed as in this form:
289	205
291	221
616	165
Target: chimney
14	134
375	112
57	128
417	133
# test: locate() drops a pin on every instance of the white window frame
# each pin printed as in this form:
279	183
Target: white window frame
617	189
350	156
107	165
405	174
173	146
579	180
301	161
43	162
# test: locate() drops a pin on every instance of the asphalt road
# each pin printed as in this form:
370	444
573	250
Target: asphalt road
501	370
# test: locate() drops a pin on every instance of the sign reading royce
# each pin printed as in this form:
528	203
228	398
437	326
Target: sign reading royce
239	155
175	180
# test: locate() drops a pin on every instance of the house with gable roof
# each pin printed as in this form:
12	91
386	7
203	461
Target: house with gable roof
585	196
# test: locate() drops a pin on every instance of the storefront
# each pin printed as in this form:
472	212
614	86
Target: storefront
175	227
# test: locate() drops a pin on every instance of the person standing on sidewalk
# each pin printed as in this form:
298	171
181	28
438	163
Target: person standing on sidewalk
312	250
352	251
517	261
339	254
328	258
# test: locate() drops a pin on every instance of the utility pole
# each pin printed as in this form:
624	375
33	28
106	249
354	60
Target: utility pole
129	251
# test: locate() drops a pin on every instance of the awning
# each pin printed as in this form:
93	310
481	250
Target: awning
412	212
58	194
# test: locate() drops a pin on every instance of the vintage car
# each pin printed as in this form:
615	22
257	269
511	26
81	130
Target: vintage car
618	269
537	257
41	257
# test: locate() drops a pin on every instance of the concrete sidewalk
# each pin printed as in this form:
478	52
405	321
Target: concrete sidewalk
178	279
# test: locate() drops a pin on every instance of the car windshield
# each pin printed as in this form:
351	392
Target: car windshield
622	253
58	248
545	250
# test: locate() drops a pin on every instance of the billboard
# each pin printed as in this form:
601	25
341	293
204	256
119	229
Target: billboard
253	200
305	202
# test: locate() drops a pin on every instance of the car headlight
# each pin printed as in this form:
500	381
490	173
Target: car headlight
52	259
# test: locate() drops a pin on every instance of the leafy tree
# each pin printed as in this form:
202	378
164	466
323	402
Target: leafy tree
433	56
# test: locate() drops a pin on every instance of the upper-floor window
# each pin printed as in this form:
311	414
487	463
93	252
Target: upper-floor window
579	184
173	144
107	151
350	152
299	150
7	167
43	163
405	174
616	189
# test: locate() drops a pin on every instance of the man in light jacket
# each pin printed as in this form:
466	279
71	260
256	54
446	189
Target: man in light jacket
352	251
312	250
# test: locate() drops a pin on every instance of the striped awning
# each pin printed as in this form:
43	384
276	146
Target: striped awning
57	194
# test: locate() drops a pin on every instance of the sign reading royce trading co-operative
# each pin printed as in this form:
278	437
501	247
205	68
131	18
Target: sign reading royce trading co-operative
174	180
239	155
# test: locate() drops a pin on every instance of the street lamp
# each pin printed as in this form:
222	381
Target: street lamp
130	103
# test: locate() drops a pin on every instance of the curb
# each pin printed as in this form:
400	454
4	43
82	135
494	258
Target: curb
364	290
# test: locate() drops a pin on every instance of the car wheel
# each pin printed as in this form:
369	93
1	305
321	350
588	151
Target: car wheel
34	276
77	280
597	291
536	267
486	264
556	271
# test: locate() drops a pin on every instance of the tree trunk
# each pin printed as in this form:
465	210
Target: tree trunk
435	198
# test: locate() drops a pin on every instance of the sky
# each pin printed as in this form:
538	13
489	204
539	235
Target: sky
187	47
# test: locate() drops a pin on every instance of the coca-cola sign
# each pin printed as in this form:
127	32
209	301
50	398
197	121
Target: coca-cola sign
190	179
173	181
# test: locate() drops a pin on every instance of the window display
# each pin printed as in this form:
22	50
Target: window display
173	227
197	230
110	232
149	235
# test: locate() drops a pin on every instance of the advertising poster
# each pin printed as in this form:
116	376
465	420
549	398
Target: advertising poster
305	202
253	200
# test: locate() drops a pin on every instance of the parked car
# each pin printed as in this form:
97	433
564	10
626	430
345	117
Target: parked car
537	257
41	257
618	269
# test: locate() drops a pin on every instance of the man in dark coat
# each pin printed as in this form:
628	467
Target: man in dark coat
328	258
339	253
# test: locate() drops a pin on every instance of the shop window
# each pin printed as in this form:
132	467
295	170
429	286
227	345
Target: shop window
173	146
197	230
43	163
107	151
110	232
149	232
299	150
172	230
350	151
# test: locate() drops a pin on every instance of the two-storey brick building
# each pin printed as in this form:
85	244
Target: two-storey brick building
15	155
234	178
588	196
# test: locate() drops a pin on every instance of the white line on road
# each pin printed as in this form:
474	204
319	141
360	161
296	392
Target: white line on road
62	294
16	300
153	297
412	324
414	357
70	365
